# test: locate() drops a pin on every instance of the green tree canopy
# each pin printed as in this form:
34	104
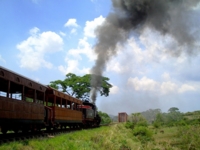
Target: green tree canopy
79	86
172	117
136	117
173	109
150	115
105	119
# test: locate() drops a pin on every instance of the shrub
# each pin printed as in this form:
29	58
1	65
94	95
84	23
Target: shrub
156	124
142	123
189	137
129	125
124	145
182	123
143	133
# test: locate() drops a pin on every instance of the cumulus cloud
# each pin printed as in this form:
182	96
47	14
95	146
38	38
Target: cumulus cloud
167	87
185	88
150	85
143	84
90	26
71	23
72	67
34	49
150	75
114	89
166	76
75	56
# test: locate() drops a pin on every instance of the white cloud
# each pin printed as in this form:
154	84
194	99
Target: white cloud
74	56
34	49
73	31
84	48
114	90
90	26
62	33
34	31
155	77
147	53
166	76
167	87
72	67
2	60
146	84
71	23
115	66
185	88
128	58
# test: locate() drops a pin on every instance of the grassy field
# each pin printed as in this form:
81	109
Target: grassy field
115	137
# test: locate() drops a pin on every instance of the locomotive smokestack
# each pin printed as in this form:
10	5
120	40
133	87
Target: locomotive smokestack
169	17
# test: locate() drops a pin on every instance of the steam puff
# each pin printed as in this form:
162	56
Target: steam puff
170	17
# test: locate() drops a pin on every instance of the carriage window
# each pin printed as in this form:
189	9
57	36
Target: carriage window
1	73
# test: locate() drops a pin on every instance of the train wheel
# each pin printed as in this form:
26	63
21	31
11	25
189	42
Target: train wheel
48	128
55	128
16	130
33	130
25	130
4	130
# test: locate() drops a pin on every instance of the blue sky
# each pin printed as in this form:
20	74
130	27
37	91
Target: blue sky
44	40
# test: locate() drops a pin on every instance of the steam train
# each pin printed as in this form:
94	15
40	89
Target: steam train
26	105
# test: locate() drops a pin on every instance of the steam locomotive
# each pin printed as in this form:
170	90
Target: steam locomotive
26	105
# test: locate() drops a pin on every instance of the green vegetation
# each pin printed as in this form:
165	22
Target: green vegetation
105	119
116	137
167	132
79	86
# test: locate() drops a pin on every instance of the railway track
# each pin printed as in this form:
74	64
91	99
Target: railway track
109	124
11	137
19	137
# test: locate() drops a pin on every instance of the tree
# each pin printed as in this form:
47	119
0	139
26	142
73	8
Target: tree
174	114
79	86
138	119
105	119
160	120
170	119
150	115
173	109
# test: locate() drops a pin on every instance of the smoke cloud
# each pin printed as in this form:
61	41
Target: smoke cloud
171	17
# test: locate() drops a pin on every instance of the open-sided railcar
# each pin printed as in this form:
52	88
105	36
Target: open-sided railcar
27	105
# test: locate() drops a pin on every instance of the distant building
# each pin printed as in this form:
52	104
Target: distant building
122	117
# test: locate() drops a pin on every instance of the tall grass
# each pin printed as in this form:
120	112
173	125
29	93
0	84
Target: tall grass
116	137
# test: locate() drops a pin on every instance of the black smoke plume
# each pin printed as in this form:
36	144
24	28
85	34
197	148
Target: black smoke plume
170	17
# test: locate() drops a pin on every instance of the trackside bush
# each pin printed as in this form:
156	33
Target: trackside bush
129	125
157	124
142	123
143	133
189	137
